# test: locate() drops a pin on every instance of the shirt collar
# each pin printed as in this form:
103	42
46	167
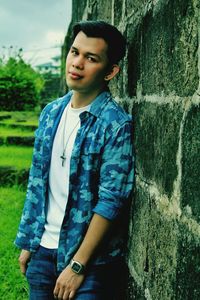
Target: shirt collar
99	102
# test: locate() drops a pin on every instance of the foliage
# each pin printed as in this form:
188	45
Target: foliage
13	285
20	85
51	88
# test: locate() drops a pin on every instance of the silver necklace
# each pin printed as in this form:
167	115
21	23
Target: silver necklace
63	157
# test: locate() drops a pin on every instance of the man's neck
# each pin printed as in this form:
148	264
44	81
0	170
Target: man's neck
80	99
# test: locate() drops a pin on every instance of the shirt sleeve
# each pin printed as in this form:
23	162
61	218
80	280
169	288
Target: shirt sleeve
116	173
26	233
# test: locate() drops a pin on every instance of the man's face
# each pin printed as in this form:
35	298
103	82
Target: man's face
86	64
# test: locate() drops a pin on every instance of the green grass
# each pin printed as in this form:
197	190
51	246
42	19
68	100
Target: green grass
17	156
7	131
20	117
13	285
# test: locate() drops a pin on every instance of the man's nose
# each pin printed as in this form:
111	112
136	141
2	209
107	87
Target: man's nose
78	62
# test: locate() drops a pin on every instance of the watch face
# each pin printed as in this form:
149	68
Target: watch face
76	267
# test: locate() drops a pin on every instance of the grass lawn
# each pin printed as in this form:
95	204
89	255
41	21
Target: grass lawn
20	117
8	131
17	156
13	285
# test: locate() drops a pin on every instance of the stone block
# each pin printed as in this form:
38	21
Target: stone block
133	57
134	292
138	243
190	185
78	10
152	249
188	265
118	6
103	11
161	255
98	10
167	54
138	233
156	142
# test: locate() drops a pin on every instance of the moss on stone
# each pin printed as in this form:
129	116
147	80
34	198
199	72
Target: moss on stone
156	142
190	185
188	266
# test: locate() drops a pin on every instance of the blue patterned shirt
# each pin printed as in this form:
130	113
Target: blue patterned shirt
101	179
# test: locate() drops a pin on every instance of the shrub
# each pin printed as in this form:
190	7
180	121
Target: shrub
20	85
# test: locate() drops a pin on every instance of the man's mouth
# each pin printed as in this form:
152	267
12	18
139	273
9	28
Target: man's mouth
74	75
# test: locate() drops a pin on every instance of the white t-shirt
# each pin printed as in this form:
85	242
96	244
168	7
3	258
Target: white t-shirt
59	175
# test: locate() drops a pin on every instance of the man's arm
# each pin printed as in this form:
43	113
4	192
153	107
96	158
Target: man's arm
115	185
68	282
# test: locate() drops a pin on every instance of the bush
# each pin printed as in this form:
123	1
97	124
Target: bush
51	89
20	85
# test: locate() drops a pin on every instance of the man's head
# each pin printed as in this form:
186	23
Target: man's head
93	58
111	35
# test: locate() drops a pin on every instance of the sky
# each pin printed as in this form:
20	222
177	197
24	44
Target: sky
36	26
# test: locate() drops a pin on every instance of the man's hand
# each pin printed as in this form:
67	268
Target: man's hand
23	260
67	284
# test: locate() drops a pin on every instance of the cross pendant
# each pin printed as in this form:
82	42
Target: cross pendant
63	157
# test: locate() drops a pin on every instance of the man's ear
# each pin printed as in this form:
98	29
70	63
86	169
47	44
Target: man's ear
113	71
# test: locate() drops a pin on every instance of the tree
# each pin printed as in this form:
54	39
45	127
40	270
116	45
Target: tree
20	84
51	89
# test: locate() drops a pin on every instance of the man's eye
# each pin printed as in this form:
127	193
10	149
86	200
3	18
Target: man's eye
92	59
74	52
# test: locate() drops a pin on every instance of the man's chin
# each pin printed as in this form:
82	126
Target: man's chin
74	87
71	85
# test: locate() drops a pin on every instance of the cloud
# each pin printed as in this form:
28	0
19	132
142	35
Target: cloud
55	37
34	24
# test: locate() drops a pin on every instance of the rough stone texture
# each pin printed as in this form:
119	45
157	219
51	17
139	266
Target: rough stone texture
188	265
191	162
161	255
153	162
159	84
138	241
169	49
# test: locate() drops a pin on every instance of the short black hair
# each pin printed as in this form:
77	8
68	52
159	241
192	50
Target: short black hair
112	36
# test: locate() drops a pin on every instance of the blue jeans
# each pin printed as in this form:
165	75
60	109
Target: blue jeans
103	282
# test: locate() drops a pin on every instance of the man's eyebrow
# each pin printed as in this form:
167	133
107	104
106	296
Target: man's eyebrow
87	53
74	48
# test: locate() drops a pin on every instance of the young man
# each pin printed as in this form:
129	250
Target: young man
72	226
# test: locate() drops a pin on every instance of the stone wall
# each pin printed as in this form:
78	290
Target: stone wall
159	84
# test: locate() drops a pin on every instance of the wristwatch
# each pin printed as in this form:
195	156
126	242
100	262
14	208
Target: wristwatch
77	267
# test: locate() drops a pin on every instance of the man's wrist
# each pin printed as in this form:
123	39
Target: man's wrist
77	267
